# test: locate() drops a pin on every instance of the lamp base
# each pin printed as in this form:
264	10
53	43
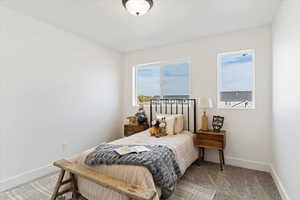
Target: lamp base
204	122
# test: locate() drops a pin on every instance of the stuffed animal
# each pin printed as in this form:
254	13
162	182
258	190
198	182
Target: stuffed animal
163	127
159	128
141	116
154	131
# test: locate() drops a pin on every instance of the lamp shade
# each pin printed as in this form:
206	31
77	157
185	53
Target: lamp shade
205	103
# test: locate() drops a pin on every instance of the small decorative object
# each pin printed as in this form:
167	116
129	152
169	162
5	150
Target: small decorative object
217	123
163	127
133	120
205	103
159	128
154	131
141	116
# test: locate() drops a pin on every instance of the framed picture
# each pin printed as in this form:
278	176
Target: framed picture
217	123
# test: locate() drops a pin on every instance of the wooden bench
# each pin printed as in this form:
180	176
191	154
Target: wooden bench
132	191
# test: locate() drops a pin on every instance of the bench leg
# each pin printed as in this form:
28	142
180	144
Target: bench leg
74	187
58	184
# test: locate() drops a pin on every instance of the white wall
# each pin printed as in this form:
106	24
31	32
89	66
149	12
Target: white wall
286	95
248	130
1	119
1	145
56	89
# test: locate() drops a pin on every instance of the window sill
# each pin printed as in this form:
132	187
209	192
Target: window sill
232	108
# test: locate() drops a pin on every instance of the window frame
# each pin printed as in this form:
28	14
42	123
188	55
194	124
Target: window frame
219	65
161	65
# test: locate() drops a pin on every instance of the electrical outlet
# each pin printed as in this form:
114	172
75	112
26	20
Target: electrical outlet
64	149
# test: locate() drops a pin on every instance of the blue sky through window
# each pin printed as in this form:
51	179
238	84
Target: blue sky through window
148	80
236	73
175	79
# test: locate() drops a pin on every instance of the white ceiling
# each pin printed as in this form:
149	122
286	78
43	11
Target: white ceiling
169	21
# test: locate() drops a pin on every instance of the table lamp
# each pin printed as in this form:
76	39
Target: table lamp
205	103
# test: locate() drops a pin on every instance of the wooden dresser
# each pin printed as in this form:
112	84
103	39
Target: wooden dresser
133	129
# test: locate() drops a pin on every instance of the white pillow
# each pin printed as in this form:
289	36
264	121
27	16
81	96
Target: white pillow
170	122
178	124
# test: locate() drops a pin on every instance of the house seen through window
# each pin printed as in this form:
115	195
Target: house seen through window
162	80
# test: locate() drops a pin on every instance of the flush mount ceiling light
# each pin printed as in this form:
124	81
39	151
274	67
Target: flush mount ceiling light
137	7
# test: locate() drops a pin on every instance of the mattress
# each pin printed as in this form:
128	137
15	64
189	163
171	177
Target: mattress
181	144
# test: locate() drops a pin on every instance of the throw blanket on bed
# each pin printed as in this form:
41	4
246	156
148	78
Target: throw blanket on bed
160	161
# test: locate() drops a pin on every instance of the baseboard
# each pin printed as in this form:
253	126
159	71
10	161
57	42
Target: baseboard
238	162
279	184
248	164
26	177
29	176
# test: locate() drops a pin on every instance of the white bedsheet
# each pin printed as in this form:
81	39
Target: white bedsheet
182	145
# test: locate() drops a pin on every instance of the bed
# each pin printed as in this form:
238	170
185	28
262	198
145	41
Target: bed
181	144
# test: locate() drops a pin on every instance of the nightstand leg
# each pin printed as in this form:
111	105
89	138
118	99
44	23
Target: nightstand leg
221	159
202	154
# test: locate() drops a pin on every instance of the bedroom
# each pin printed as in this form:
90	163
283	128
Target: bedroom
68	82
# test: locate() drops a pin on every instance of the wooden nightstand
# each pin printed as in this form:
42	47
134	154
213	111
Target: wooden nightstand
133	129
211	140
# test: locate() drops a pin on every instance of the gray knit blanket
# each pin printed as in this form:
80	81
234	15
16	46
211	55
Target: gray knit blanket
160	161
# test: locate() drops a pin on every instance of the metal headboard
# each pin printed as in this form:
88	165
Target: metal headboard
175	106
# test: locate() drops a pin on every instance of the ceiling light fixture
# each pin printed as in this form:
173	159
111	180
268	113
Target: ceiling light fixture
137	7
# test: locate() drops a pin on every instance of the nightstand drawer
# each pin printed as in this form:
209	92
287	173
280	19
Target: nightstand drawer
210	141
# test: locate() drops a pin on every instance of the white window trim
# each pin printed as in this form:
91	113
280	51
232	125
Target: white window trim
160	63
250	51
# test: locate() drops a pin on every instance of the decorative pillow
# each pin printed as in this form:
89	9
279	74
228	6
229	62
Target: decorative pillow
170	123
178	123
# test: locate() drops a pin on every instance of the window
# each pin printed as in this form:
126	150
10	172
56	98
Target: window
161	80
236	82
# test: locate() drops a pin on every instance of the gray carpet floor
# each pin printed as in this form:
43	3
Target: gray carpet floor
233	183
200	182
